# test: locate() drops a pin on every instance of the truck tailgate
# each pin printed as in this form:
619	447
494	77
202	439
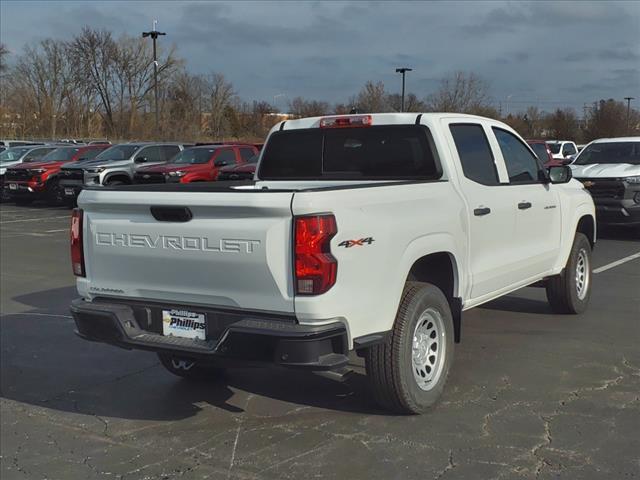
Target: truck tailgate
234	252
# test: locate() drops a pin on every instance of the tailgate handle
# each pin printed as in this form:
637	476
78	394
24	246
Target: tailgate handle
171	214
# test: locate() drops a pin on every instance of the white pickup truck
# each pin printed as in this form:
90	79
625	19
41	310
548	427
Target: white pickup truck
365	233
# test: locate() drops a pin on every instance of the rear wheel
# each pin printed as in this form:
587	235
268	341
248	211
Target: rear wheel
569	292
189	369
409	370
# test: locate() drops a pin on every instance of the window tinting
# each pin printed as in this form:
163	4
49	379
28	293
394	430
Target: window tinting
194	155
152	154
380	152
541	151
169	151
522	165
117	152
225	157
608	153
475	153
246	154
90	153
60	154
554	147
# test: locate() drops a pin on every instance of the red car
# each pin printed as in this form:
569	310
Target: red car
39	180
541	149
197	164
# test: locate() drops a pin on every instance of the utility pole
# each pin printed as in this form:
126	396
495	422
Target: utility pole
628	99
154	34
403	71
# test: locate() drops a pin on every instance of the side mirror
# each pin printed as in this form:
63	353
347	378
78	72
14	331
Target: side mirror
140	160
221	163
560	174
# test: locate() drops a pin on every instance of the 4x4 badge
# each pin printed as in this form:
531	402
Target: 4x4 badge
356	243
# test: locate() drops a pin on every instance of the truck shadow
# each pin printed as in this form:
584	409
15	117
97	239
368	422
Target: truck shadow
43	363
618	233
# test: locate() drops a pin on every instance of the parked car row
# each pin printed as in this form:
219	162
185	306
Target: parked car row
57	174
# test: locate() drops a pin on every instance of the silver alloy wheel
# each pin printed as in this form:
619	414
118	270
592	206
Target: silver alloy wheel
427	356
583	273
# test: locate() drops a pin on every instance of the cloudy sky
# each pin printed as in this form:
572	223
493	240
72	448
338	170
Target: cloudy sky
549	53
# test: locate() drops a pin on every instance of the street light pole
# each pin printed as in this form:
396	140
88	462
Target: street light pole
403	71
154	36
628	99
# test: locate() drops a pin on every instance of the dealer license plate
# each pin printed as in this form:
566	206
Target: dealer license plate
183	323
13	186
69	191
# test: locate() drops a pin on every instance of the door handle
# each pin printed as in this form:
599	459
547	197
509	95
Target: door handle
479	212
524	205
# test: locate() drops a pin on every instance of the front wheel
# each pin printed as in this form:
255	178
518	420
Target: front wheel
569	292
409	370
189	369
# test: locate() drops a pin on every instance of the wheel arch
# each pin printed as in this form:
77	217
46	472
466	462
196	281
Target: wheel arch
121	176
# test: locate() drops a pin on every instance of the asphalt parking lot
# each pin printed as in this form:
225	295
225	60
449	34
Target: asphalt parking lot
531	394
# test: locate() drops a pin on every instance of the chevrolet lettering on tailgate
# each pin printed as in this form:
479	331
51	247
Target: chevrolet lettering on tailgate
176	242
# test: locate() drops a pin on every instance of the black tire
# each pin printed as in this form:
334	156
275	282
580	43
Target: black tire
186	368
562	290
114	183
390	366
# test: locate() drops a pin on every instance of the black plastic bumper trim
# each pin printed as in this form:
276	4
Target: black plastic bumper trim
251	339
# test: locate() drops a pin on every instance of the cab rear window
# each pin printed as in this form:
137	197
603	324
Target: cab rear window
387	152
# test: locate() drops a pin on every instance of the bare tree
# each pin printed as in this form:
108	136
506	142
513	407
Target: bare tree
563	124
94	53
4	53
411	103
45	71
300	107
219	94
461	92
372	98
608	118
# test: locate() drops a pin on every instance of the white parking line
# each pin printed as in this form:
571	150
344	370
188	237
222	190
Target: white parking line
35	219
58	230
616	263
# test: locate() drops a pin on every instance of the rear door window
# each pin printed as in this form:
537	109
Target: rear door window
390	152
475	153
169	151
246	153
225	157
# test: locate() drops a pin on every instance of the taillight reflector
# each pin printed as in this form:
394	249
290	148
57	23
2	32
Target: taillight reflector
346	121
315	267
77	253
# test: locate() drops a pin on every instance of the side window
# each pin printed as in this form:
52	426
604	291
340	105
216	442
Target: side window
170	151
246	154
475	153
568	149
521	164
36	154
152	154
225	157
90	153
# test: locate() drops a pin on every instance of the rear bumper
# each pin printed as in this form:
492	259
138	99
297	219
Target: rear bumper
232	337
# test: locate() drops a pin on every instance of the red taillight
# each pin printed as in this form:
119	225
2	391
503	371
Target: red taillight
77	255
315	267
346	122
